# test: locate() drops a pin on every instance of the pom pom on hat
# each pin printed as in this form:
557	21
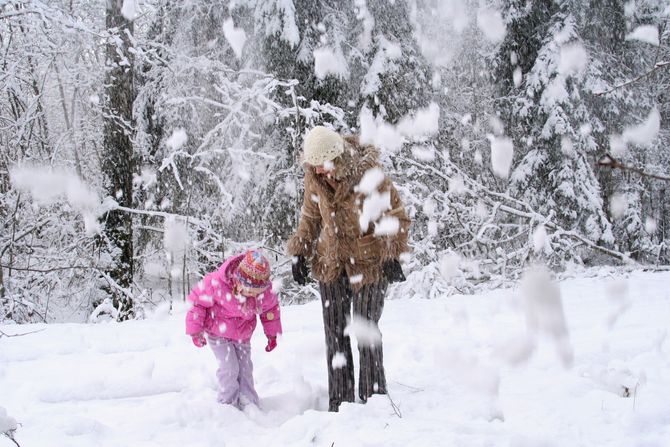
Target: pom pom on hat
253	273
322	145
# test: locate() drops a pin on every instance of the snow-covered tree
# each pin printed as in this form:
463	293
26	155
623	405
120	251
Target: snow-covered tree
118	158
553	117
48	118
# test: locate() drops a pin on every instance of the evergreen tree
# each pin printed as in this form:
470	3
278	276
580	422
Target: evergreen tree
644	222
553	117
398	78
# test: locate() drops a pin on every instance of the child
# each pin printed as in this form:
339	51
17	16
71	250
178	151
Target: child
225	305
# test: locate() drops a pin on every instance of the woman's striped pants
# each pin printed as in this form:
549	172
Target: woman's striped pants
368	302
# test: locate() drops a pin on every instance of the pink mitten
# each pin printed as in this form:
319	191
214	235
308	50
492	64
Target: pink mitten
199	340
272	343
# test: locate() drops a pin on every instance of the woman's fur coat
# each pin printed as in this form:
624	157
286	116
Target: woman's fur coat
331	234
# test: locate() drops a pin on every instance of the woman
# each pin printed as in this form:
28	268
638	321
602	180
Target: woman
350	259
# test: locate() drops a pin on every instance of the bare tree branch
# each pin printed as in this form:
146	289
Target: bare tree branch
10	435
655	68
607	161
3	334
50	270
518	208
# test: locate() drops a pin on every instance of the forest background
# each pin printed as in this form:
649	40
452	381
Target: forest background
141	142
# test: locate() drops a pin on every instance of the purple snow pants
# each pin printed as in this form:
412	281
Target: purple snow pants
235	372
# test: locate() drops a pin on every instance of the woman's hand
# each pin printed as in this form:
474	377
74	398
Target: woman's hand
300	270
393	271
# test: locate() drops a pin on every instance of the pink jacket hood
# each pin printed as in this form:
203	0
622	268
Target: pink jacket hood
220	313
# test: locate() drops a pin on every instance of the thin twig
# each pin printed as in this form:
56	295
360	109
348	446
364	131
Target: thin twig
199	222
396	409
265	247
413	388
2	334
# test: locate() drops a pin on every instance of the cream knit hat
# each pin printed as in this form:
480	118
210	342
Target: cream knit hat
322	145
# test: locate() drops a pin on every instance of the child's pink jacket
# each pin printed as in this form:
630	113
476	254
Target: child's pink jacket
219	313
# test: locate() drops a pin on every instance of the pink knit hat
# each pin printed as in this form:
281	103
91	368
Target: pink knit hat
253	273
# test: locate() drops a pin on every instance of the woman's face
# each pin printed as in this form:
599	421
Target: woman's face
327	169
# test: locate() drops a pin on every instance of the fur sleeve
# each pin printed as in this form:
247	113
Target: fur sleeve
397	244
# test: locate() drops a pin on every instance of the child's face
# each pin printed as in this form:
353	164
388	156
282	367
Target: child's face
237	290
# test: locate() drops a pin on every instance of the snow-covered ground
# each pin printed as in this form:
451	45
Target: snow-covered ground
448	363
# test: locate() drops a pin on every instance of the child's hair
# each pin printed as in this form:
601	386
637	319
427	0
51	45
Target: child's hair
253	273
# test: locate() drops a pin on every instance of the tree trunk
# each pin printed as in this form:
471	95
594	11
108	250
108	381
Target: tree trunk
117	160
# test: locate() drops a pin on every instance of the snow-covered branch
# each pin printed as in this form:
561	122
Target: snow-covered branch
607	161
654	69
